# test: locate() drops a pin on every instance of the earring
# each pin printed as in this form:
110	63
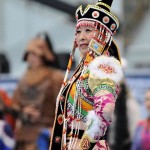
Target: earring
75	43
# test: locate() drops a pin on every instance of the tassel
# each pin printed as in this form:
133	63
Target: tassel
66	75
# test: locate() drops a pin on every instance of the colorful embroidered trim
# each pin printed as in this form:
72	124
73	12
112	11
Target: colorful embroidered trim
86	104
104	87
85	142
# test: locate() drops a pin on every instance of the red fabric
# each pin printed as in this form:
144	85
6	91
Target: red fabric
7	102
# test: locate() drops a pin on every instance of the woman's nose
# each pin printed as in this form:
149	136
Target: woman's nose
82	36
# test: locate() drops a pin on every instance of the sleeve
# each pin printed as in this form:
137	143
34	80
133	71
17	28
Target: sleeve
104	78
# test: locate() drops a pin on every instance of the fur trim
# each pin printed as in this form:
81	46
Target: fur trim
93	126
106	67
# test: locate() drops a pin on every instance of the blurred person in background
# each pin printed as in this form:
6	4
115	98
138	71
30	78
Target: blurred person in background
35	97
86	101
141	140
7	140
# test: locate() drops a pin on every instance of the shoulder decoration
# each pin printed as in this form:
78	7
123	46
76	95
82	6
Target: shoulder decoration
104	67
93	124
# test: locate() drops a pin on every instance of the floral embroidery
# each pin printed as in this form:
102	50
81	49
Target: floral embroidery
104	107
106	68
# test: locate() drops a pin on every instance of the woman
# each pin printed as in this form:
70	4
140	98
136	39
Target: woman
35	96
86	101
142	133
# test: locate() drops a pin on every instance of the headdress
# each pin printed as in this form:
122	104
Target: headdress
99	15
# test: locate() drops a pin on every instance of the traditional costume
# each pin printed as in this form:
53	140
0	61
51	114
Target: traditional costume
86	101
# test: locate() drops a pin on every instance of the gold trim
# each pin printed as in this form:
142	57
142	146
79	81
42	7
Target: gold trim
79	9
101	3
86	9
85	142
99	49
99	9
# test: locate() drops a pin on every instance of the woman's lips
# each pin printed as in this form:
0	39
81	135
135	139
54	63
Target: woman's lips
83	45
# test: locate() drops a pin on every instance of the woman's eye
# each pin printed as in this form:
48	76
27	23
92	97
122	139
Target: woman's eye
78	31
88	30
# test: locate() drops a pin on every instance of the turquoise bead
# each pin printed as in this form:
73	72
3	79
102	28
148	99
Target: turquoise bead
95	46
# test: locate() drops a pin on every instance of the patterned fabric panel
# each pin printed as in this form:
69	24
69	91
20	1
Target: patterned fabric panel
86	105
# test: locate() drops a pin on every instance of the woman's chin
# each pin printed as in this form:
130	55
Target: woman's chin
84	51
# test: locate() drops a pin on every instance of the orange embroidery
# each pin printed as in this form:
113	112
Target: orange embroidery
106	68
88	59
85	143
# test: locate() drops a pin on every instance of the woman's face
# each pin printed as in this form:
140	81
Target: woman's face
84	34
34	61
